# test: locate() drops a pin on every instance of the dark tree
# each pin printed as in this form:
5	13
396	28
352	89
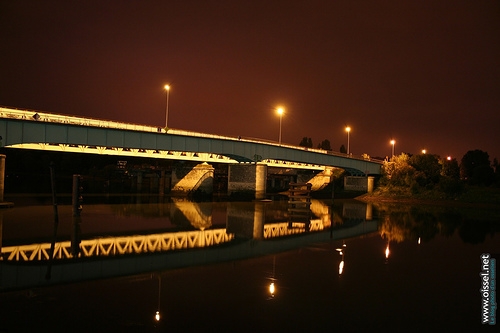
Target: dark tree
428	167
343	149
325	144
306	142
450	168
496	169
475	168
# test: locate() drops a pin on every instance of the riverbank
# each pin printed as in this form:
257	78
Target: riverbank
470	196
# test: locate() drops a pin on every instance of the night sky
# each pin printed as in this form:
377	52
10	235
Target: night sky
426	73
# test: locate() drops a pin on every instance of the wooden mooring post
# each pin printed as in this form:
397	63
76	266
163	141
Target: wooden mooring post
299	202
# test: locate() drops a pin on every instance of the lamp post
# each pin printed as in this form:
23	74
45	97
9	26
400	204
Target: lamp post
167	88
393	142
280	111
348	130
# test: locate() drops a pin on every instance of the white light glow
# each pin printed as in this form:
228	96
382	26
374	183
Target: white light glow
272	289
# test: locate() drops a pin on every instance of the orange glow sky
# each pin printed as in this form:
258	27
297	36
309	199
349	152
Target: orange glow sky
426	73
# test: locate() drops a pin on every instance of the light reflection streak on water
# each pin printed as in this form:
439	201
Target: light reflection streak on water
342	255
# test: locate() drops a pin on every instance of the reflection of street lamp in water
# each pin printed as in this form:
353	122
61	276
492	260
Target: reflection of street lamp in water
157	314
387	252
272	286
341	252
272	289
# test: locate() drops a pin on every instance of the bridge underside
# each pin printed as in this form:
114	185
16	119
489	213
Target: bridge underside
162	154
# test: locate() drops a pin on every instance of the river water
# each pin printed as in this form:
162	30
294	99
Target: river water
210	266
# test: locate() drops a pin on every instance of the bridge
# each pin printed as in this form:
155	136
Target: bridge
39	130
46	131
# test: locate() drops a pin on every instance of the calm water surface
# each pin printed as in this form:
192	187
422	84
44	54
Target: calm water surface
404	268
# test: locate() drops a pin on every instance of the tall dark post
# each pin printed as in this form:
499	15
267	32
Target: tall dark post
331	207
77	197
1	231
77	201
2	176
76	236
56	220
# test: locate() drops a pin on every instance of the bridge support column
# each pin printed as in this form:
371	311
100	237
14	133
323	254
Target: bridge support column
200	178
322	179
355	183
260	181
370	185
247	180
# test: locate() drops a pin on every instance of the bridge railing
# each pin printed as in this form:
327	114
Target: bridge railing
34	115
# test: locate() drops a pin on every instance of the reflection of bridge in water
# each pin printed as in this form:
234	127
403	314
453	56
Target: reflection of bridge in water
163	242
125	255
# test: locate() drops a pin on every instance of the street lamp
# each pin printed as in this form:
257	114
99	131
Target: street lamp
280	111
348	130
393	142
167	88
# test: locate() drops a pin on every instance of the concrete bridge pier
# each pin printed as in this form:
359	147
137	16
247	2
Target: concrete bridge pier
321	180
370	184
200	178
247	180
353	183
